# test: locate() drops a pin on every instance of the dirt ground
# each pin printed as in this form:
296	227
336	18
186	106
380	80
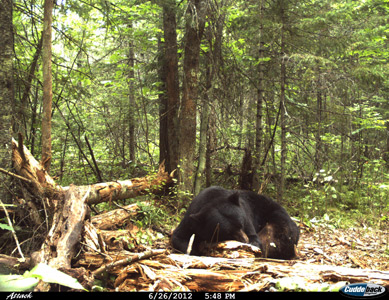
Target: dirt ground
354	247
327	260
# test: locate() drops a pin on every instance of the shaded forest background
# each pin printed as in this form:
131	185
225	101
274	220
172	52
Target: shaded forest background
289	98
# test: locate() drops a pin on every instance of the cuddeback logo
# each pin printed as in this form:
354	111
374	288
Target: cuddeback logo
359	290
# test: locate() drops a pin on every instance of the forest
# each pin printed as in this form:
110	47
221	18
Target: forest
133	107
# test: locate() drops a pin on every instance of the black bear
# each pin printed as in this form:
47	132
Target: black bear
217	214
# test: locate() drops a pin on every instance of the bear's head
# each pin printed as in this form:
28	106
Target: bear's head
220	220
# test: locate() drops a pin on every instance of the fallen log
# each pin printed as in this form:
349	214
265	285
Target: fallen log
43	185
120	190
180	272
126	189
116	218
59	246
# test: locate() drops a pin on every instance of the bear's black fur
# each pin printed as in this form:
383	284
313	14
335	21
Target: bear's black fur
217	214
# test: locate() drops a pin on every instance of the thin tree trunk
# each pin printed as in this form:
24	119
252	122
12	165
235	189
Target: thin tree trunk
199	178
27	90
162	97
319	109
215	36
211	145
386	154
194	30
6	93
47	86
34	115
283	111
202	147
131	98
258	121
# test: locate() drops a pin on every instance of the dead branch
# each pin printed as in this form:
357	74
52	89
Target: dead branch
13	231
126	261
14	175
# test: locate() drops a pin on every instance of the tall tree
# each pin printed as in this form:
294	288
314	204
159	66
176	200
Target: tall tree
260	99
203	130
47	85
131	97
281	187
195	22
169	107
6	92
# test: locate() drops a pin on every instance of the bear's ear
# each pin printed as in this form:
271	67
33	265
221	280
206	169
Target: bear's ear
196	217
234	198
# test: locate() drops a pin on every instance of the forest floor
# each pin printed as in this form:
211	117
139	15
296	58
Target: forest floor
328	259
364	248
353	247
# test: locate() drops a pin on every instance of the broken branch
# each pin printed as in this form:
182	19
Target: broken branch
126	261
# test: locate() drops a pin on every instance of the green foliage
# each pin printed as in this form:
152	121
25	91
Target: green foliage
342	207
5	227
298	284
149	215
106	80
27	281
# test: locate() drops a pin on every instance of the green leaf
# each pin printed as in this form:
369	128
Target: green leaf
5	227
27	281
51	275
17	283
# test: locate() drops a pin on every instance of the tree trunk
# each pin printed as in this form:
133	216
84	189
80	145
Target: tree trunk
162	97
246	173
199	178
215	40
202	147
194	30
386	154
169	111
283	110
319	109
258	120
26	93
47	86
40	182
211	145
131	100
64	209
6	93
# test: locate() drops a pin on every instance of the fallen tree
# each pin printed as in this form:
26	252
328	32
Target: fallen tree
43	185
63	210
